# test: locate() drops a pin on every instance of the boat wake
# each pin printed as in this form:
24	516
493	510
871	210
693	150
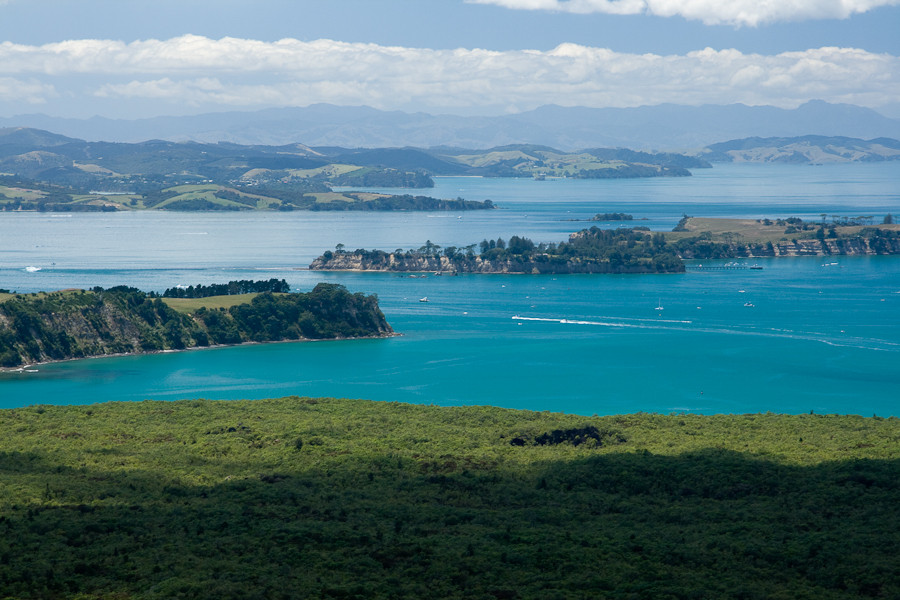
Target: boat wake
614	322
689	326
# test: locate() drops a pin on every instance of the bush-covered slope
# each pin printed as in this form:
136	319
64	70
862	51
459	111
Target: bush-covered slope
305	498
75	324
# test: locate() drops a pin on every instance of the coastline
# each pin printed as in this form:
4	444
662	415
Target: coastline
30	368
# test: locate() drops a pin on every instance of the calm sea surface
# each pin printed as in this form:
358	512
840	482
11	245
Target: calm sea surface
822	335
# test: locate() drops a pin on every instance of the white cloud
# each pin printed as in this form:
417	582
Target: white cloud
201	72
27	91
710	12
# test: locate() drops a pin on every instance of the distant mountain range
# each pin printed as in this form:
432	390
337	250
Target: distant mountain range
40	170
661	127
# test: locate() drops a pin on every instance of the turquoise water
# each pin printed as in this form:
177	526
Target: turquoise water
819	336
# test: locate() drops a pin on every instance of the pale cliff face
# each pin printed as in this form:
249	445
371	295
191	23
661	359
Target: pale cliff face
349	261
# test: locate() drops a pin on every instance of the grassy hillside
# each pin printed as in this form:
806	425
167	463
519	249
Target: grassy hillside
321	498
809	149
527	161
696	237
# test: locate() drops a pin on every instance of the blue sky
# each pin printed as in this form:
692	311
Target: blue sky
135	58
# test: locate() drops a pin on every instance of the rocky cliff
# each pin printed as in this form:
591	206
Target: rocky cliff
540	264
846	246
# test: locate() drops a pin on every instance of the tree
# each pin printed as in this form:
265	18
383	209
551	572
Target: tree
888	219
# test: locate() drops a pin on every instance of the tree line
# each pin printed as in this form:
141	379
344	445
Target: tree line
232	288
594	250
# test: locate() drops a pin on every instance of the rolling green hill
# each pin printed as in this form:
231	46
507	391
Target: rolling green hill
44	171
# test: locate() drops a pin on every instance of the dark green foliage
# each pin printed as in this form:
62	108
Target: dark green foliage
612	217
629	171
665	159
202	499
200	204
232	288
383	177
64	325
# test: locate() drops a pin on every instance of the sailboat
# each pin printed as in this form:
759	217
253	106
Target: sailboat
659	305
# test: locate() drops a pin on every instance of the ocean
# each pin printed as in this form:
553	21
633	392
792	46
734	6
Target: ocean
821	335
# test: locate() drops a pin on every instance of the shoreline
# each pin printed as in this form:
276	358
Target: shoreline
30	368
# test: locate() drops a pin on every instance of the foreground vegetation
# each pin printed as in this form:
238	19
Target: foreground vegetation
307	498
76	324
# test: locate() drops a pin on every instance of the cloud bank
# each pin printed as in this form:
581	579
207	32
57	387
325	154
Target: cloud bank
710	12
216	74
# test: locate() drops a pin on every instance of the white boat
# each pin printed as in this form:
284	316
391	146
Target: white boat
32	269
425	299
659	305
750	304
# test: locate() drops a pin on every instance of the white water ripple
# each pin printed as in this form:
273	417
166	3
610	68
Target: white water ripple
775	333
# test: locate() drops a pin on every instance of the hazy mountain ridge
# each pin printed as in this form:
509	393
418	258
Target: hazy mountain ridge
43	171
805	149
45	156
661	127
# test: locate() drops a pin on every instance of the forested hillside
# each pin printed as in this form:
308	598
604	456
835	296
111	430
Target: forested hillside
76	324
317	498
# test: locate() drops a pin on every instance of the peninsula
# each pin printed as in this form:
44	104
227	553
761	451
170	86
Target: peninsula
43	327
633	250
591	250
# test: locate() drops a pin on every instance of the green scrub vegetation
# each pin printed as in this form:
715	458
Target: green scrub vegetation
324	498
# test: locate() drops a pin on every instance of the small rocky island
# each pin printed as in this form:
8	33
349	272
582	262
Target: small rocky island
54	326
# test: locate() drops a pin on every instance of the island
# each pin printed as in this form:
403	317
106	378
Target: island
54	326
591	250
614	216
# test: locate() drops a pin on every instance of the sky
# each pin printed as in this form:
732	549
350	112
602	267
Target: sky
143	58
